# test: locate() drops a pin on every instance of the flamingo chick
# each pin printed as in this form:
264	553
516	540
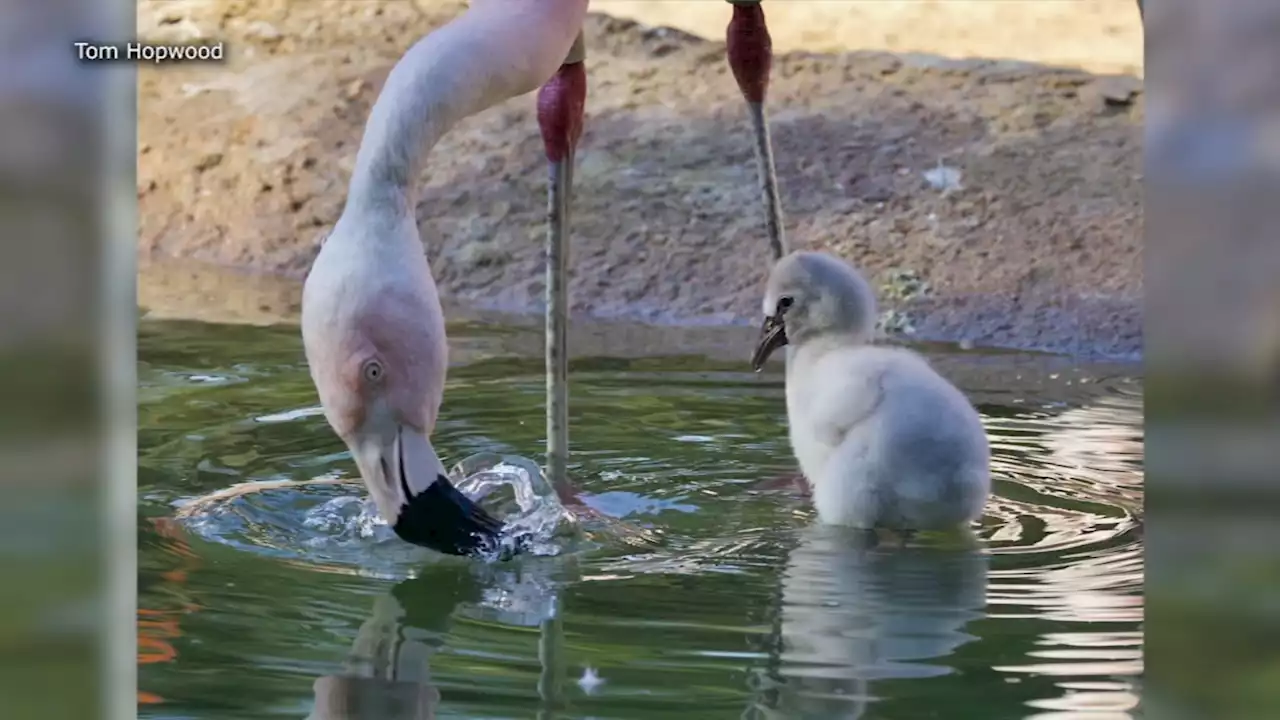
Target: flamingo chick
884	441
372	324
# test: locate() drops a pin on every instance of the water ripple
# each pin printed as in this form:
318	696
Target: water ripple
685	587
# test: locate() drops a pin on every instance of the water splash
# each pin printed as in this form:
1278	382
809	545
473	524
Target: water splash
514	489
330	521
345	520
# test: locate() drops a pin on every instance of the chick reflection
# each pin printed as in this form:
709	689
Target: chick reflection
853	613
387	673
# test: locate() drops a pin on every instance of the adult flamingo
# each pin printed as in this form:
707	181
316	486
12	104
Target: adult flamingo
372	325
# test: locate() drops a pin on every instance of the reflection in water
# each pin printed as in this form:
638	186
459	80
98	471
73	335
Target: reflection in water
852	614
1091	454
387	673
693	585
1102	444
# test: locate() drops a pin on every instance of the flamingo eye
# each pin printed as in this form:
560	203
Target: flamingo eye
372	370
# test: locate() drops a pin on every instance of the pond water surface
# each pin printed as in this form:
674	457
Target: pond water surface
725	603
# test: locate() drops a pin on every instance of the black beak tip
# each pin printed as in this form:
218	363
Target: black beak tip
443	519
773	335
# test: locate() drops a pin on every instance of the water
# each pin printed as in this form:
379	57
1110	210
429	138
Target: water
333	520
689	589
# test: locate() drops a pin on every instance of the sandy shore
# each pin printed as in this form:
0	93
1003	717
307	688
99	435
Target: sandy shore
245	164
1101	36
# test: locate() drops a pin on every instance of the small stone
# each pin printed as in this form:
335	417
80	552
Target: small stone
1118	92
943	178
262	30
176	30
208	161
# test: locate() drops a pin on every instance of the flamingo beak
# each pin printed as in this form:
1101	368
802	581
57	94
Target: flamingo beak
416	497
773	335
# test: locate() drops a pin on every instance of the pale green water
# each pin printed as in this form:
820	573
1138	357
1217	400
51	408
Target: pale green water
741	609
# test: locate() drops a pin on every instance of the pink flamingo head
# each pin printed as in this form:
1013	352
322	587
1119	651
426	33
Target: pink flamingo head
372	323
375	342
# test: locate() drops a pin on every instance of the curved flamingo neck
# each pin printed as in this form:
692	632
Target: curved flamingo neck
494	51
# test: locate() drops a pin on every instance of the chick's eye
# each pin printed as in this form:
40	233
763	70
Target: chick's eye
372	370
784	303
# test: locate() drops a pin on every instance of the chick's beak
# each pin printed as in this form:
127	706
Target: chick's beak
414	495
773	335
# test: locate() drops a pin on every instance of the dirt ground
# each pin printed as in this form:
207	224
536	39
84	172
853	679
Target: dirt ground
1101	36
245	164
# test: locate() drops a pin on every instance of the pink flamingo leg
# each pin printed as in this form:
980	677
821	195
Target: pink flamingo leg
750	52
560	109
751	58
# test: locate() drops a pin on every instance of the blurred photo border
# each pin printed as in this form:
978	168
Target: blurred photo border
68	338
